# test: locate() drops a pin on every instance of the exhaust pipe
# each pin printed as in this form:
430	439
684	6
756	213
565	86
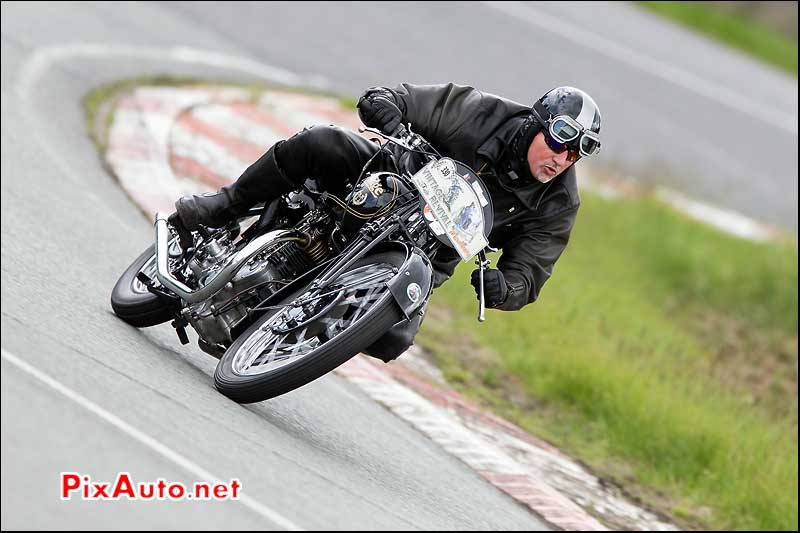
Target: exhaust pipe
228	269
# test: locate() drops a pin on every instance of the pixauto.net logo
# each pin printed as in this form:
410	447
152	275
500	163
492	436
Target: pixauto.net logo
81	486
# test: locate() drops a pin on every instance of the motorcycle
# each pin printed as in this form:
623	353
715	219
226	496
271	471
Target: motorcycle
284	299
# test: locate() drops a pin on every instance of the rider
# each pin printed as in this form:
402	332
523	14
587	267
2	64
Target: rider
525	156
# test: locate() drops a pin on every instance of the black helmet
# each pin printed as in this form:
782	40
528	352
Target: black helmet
571	121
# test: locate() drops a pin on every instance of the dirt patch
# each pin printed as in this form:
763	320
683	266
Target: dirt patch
760	366
778	16
473	366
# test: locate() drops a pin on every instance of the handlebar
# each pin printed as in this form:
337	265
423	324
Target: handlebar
401	136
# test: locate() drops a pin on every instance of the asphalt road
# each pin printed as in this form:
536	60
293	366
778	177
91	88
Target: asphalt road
324	456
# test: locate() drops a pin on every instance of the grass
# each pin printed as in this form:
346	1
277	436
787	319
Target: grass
94	104
746	35
662	352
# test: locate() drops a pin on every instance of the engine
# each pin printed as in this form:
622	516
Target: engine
263	274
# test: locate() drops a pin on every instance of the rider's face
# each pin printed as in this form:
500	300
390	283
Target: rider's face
544	163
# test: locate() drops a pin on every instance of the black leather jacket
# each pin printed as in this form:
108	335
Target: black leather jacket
532	221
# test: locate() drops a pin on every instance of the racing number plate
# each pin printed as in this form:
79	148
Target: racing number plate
455	206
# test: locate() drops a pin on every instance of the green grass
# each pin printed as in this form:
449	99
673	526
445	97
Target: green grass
662	352
746	35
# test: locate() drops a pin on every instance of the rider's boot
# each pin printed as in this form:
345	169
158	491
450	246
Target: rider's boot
263	181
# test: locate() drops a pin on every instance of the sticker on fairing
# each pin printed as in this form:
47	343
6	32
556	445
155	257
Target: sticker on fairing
436	228
413	291
360	197
479	191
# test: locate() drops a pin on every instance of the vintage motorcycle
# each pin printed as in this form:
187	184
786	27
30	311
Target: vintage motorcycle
285	298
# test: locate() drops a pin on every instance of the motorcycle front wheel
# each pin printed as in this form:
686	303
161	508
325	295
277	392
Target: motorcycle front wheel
294	344
130	299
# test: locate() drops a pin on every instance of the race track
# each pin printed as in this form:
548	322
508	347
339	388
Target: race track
326	456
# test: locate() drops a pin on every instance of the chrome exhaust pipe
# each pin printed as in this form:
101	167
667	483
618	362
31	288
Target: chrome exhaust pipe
227	271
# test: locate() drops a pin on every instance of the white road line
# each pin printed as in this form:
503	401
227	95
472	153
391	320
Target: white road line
43	58
145	439
652	66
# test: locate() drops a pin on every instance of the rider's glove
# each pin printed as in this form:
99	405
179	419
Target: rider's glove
377	109
495	290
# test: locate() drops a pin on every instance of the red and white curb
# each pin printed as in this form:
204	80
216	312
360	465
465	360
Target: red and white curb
166	142
490	461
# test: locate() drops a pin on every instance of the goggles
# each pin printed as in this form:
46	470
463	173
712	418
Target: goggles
565	133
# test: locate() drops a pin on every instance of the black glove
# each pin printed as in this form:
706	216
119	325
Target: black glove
378	110
495	289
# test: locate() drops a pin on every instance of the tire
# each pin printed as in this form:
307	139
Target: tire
131	301
379	317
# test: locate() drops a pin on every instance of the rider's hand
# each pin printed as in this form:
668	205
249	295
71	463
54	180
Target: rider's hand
495	289
377	110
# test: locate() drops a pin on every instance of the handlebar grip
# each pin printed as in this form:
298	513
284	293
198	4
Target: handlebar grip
399	131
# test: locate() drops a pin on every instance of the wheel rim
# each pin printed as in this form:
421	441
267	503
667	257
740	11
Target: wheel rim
150	268
347	302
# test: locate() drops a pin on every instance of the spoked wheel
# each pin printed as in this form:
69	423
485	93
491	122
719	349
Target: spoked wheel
311	332
130	299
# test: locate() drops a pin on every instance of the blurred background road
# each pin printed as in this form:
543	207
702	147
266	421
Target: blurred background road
677	109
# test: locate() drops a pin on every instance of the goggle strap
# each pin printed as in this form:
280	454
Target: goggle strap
541	112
